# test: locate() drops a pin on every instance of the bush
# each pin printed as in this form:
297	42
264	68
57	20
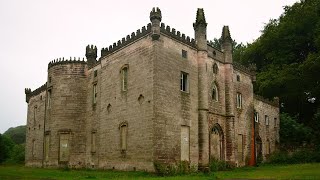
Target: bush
217	165
296	157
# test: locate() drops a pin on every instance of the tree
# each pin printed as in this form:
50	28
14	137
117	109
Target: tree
17	134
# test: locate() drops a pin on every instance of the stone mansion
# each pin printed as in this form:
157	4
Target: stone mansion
156	95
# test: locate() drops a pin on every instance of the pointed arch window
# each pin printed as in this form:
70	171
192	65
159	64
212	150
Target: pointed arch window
215	94
123	136
124	78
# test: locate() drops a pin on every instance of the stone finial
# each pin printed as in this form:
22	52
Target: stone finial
155	18
91	51
226	37
200	19
155	14
27	91
91	55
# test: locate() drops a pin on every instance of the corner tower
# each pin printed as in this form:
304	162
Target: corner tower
200	30
155	18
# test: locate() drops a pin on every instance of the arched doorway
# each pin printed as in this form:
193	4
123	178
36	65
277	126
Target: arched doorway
259	156
216	143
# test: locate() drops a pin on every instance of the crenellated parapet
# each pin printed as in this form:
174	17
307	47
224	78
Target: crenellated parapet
37	91
177	35
66	61
249	70
126	40
274	102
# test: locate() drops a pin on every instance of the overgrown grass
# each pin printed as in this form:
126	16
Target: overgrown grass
296	171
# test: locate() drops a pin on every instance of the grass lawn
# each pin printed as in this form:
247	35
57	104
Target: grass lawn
297	171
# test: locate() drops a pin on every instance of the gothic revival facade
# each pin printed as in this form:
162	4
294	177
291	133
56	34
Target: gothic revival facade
157	95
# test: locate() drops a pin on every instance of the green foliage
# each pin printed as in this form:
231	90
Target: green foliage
6	145
10	152
180	168
287	57
237	49
17	154
296	157
17	134
217	165
292	133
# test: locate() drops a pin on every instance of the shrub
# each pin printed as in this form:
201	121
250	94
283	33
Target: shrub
217	165
299	156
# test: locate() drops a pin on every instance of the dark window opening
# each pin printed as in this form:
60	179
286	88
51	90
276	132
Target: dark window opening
184	82
184	54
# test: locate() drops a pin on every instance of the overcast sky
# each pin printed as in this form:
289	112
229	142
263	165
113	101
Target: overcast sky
34	32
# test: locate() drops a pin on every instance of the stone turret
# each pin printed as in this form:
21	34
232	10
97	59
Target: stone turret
91	54
226	44
155	18
200	30
27	91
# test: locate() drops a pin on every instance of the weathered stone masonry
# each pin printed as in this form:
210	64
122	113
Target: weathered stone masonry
156	95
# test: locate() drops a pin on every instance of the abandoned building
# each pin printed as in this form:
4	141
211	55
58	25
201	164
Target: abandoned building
156	95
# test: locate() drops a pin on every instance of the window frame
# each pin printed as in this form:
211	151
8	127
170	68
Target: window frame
215	89
239	100
184	54
94	93
266	119
124	78
184	82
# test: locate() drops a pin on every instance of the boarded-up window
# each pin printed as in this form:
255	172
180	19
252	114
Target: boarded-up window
185	143
93	142
268	147
123	139
64	147
240	147
46	147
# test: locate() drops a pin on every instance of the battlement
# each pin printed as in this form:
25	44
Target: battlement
126	40
66	61
37	91
249	70
274	102
177	35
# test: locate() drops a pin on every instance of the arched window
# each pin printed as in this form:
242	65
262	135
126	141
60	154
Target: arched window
215	68
123	136
124	78
215	94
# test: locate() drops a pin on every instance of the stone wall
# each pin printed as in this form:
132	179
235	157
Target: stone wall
65	114
34	130
174	108
133	107
267	133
